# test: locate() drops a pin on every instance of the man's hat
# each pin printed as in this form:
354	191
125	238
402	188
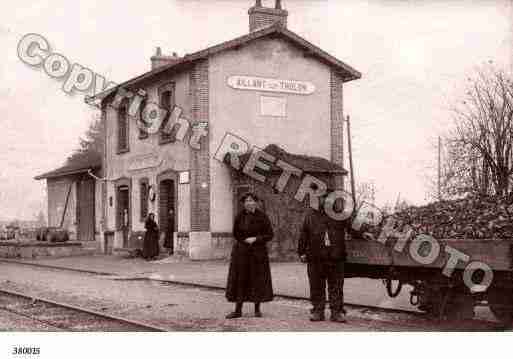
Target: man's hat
249	194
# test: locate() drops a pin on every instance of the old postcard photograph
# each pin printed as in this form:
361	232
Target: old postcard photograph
255	166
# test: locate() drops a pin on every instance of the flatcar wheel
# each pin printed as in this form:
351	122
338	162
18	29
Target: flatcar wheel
430	299
501	305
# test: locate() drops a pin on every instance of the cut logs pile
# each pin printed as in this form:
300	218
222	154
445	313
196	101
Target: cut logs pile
473	217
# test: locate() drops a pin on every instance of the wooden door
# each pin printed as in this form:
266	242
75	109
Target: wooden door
85	209
123	214
167	212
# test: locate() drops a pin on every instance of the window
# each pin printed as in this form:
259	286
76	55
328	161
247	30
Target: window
123	127
167	102
273	106
142	132
143	193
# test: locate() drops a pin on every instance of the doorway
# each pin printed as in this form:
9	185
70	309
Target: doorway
123	206
167	212
85	209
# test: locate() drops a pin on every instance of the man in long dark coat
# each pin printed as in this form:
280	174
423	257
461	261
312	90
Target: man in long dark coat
249	276
151	238
322	246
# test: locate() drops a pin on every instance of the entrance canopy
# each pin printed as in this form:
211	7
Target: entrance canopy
308	164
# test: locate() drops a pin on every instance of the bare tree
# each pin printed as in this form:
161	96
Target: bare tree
478	149
463	171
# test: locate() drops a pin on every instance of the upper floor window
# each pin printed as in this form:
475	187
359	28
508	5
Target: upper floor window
167	102
142	132
123	127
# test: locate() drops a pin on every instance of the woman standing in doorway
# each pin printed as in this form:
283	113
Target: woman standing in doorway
151	238
249	276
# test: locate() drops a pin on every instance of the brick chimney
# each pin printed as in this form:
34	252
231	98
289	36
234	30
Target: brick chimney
261	16
158	59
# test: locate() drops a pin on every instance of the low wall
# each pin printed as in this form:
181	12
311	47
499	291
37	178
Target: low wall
222	243
35	249
217	245
181	244
213	246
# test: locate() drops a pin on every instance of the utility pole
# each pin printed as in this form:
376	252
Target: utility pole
350	149
439	168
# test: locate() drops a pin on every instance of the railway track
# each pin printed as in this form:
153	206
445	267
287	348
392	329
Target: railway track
214	287
67	317
369	312
353	309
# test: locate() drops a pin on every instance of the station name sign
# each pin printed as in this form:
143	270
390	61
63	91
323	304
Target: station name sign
271	85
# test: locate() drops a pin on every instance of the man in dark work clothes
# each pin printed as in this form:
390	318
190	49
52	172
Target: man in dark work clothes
168	240
322	246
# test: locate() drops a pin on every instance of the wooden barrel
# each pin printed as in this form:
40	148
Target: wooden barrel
52	234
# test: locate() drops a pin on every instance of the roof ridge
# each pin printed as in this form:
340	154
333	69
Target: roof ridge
238	41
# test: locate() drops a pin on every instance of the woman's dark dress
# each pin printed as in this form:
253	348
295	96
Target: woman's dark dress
249	276
151	240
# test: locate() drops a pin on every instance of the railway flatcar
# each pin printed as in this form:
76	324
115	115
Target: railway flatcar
446	278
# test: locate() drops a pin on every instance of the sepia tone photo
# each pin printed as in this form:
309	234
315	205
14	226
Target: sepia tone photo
256	166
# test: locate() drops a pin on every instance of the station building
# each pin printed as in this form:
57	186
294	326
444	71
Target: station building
269	87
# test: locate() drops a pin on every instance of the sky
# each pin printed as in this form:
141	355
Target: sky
415	57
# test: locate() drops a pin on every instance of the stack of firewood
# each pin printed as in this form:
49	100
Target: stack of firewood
473	217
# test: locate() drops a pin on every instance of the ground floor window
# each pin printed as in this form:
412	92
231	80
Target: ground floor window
143	196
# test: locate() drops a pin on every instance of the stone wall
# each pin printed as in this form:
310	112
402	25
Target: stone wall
181	244
218	243
33	249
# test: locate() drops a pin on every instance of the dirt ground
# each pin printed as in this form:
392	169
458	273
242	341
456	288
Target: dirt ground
182	308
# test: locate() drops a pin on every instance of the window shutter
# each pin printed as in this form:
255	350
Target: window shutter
122	128
167	102
142	133
119	215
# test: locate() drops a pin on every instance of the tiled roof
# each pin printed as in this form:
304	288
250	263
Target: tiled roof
309	164
81	165
347	71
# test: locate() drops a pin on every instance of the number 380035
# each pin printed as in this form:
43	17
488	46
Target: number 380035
25	351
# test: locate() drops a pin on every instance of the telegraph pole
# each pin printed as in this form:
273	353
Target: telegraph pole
350	149
439	168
